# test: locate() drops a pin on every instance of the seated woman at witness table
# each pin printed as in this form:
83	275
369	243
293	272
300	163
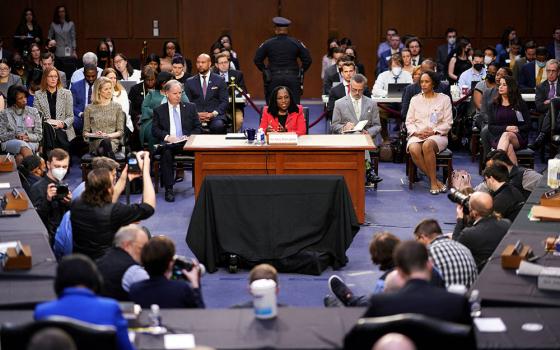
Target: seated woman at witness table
97	215
21	130
428	121
54	104
103	120
76	284
508	119
282	113
124	68
119	95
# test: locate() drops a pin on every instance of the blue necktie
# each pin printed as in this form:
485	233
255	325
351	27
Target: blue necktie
177	119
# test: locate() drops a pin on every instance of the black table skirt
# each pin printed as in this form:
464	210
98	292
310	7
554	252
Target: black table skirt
299	223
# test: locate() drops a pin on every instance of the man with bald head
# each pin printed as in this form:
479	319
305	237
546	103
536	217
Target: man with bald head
208	91
482	231
414	89
394	341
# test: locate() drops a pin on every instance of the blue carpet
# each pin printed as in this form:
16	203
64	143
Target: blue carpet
393	207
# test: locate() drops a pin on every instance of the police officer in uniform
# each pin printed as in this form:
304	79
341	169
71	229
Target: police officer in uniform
282	52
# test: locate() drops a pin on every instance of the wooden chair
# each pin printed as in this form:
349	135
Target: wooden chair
444	160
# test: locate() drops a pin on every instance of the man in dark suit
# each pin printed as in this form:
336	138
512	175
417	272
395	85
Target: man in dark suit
530	55
395	47
172	123
332	74
348	70
415	47
209	93
484	231
443	51
229	75
158	258
554	47
414	89
82	92
418	295
532	73
544	92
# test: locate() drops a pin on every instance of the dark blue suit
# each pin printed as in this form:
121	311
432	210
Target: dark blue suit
527	76
216	99
78	90
160	129
82	304
384	61
166	293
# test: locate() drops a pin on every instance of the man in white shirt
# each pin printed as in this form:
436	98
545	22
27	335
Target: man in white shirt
476	73
395	75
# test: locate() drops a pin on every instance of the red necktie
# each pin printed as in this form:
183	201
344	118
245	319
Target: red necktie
204	85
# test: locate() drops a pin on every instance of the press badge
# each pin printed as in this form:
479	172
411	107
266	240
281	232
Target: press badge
67	51
519	116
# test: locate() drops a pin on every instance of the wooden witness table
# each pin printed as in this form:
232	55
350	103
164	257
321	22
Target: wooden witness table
314	154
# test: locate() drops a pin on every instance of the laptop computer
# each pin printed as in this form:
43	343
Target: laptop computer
396	90
128	84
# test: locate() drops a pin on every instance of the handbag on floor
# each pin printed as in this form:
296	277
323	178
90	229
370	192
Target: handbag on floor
460	179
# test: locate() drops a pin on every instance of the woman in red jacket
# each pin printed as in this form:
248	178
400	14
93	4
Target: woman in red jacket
282	113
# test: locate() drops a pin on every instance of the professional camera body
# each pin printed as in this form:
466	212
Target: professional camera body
460	198
61	190
133	166
183	263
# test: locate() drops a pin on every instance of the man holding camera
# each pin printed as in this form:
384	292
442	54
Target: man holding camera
507	199
158	258
120	266
49	195
480	231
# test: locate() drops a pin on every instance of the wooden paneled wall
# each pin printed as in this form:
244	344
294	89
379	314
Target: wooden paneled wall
197	24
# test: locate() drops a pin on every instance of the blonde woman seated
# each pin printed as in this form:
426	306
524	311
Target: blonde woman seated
103	120
120	95
428	121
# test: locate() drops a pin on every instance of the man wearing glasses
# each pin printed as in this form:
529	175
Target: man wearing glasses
545	92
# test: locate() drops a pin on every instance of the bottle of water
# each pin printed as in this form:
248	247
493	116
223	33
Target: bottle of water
553	178
155	316
260	137
474	301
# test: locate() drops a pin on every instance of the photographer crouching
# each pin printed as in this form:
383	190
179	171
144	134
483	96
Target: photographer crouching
158	258
478	227
49	195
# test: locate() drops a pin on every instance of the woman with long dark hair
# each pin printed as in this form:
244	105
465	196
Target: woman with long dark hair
27	32
508	119
282	113
62	30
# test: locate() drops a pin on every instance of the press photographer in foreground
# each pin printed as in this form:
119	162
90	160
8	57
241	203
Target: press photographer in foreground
478	227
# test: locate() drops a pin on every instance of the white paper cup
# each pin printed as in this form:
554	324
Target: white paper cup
264	298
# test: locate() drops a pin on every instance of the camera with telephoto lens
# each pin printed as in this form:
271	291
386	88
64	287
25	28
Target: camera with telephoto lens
61	190
183	263
460	198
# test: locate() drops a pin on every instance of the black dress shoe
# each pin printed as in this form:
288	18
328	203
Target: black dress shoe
373	178
169	195
539	140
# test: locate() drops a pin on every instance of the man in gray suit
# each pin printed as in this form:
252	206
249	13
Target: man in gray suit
355	107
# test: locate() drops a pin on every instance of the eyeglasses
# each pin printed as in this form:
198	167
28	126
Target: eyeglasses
4	69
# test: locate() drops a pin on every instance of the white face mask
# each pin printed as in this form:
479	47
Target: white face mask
487	60
396	71
59	173
451	41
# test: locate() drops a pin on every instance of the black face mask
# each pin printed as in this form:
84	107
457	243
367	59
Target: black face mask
478	66
103	54
491	78
52	49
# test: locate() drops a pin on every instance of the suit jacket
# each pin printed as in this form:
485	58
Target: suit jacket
78	90
337	93
519	63
166	293
527	75
189	120
344	112
239	79
82	304
295	122
384	61
442	58
414	89
420	297
216	94
64	109
482	238
331	76
541	95
497	130
551	50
